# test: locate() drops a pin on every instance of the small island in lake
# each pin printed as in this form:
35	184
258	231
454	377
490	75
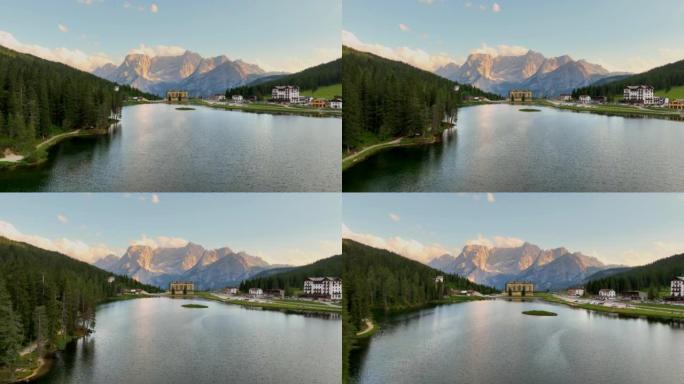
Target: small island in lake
529	110
539	313
185	109
195	306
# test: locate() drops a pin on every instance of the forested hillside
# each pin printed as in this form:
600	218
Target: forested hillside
40	98
662	78
650	278
292	279
386	99
45	296
308	79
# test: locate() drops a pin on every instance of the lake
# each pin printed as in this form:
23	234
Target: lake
497	148
156	148
157	341
493	342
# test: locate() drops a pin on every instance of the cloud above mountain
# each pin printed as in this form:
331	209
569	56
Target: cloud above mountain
160	242
410	248
416	57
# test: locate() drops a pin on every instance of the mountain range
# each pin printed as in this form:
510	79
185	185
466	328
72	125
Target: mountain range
198	75
547	77
550	269
208	268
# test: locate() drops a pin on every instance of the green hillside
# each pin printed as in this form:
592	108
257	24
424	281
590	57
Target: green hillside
326	92
653	278
673	94
49	297
385	99
41	98
667	80
311	80
292	279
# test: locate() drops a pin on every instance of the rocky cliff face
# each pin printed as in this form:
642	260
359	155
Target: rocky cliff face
544	76
208	268
549	269
189	71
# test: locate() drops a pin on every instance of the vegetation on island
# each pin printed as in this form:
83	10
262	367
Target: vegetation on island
376	279
386	99
311	79
185	109
41	98
529	110
539	313
663	78
292	279
651	278
46	299
194	306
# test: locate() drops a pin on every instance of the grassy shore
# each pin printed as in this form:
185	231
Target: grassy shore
361	155
276	304
616	110
272	109
651	311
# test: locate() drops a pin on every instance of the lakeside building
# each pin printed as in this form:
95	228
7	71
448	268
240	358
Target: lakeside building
520	288
599	100
231	290
520	95
641	94
585	99
676	104
219	97
565	97
285	93
439	279
323	287
278	293
176	96
677	287
182	287
576	292
336	103
256	292
607	294
635	295
319	103
237	98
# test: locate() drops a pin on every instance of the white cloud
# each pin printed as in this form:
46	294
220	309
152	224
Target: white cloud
62	28
496	241
62	219
490	198
74	58
158	50
155	198
427	2
415	57
74	248
160	242
496	7
88	2
501	50
412	249
404	27
394	217
154	8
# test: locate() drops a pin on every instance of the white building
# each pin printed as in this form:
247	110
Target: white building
439	279
576	292
677	287
607	294
256	291
638	94
285	93
231	291
237	98
219	97
565	97
324	287
336	103
585	99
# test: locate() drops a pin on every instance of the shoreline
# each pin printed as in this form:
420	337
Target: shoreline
616	110
294	307
358	157
270	109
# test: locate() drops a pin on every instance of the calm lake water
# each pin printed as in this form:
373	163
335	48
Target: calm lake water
158	341
158	148
497	148
493	342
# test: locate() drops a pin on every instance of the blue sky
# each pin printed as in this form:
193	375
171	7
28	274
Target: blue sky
282	228
273	33
430	31
631	229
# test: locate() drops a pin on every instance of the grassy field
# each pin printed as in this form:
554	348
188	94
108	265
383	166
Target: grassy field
274	109
284	304
326	92
653	311
617	110
675	93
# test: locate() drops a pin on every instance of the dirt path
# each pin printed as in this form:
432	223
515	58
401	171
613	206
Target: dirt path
354	156
28	349
369	327
61	135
